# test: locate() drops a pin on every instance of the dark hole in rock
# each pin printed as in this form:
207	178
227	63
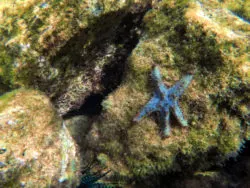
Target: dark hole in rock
125	39
91	106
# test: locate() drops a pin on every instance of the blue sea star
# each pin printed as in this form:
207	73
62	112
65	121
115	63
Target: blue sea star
165	99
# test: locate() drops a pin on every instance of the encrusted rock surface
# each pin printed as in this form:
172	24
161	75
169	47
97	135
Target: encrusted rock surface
36	148
201	38
62	53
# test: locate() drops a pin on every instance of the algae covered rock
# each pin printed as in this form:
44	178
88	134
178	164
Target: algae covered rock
36	148
201	38
61	47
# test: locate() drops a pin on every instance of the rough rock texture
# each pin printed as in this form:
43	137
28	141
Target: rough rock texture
36	149
204	39
61	47
233	173
78	126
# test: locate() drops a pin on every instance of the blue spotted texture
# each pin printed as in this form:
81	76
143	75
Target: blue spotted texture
165	99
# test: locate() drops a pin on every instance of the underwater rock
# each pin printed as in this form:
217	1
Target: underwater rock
36	147
202	38
78	127
61	47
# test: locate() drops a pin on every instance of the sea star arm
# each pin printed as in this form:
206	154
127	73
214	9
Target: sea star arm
166	125
180	86
178	114
156	75
160	87
148	108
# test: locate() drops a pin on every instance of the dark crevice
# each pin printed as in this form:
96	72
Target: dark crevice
91	106
125	39
83	57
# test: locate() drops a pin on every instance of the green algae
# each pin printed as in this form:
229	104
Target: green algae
45	48
241	8
178	46
28	114
5	98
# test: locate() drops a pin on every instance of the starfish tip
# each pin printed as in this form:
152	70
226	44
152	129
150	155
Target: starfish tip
156	75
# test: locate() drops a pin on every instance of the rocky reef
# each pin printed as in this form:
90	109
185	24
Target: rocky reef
93	60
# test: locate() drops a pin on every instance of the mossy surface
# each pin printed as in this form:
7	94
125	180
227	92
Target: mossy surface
36	151
241	8
180	38
59	47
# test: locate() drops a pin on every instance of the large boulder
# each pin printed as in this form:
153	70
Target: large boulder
63	47
36	149
181	37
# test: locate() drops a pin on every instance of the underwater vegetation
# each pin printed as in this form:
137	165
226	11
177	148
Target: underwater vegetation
179	37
